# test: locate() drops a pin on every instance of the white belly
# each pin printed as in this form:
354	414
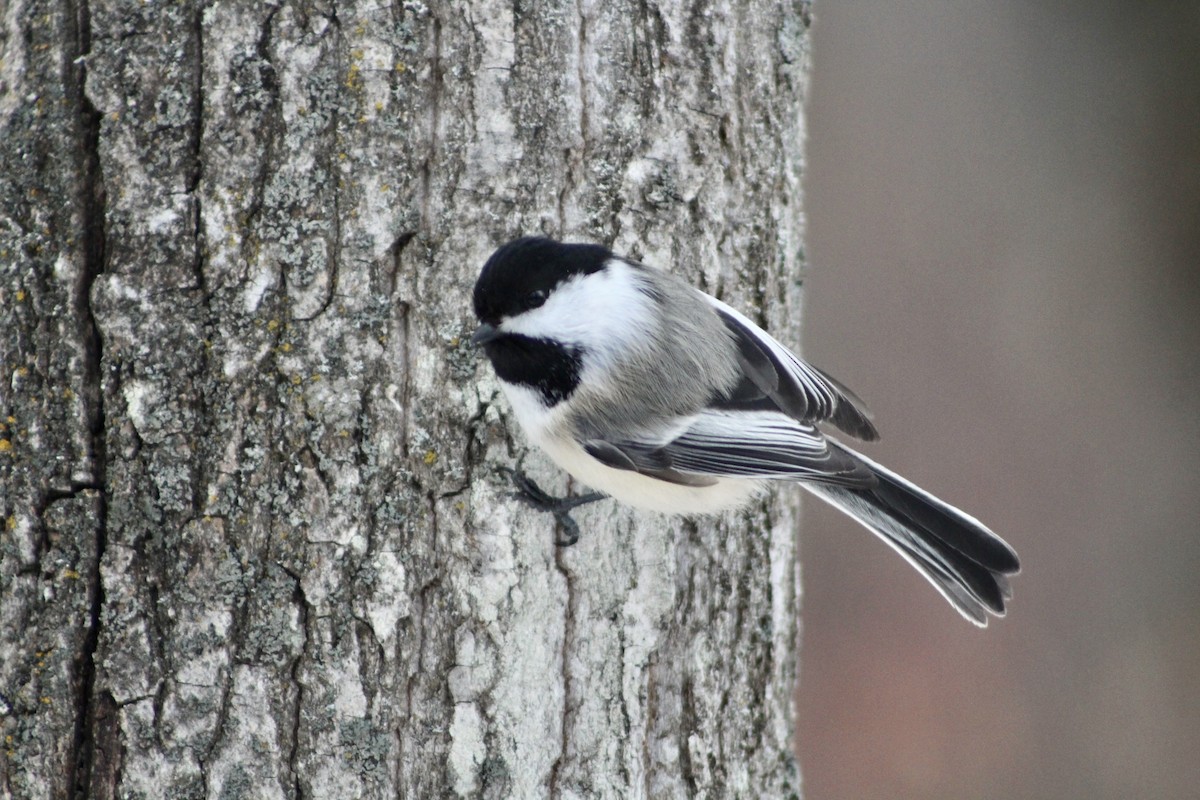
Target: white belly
626	486
652	494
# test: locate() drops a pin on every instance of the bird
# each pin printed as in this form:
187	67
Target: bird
663	397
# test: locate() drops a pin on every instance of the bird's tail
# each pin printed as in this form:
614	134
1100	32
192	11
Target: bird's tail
955	552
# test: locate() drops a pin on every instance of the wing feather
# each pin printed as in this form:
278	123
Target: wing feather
774	377
737	444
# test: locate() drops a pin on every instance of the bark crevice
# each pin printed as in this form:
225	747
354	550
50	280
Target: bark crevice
95	721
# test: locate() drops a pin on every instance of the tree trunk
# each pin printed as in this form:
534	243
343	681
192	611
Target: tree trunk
256	541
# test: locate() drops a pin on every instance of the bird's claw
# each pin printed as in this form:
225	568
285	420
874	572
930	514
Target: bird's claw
534	496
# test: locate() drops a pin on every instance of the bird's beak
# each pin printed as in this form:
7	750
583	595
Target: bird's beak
485	334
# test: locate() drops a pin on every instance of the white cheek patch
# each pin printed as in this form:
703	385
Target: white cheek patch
603	313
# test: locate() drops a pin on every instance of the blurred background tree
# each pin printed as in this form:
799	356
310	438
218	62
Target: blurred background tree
1004	208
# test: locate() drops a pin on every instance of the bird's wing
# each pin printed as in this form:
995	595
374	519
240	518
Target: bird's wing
723	443
774	378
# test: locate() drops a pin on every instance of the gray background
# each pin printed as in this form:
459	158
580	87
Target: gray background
1004	231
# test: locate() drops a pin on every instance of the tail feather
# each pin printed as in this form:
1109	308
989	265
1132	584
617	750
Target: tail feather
963	560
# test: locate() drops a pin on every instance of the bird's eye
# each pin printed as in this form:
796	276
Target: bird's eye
535	298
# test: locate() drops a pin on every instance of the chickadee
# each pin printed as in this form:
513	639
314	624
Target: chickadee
667	399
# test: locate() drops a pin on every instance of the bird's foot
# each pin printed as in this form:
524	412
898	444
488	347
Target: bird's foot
534	496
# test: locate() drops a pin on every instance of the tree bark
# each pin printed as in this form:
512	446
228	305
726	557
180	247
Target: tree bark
257	542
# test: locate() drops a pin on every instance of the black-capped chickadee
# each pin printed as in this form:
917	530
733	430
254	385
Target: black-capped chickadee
667	399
